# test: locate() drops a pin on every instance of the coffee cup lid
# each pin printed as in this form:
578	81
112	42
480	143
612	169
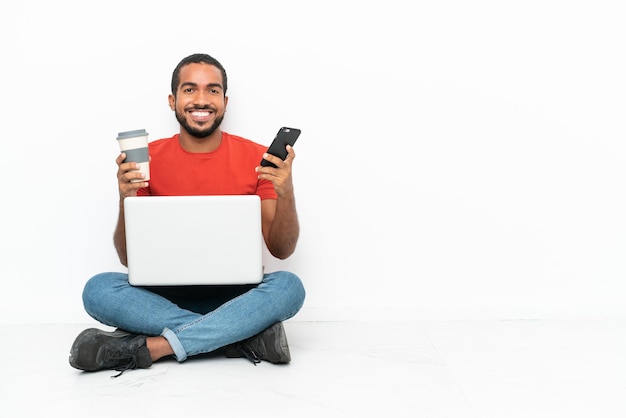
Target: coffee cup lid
130	134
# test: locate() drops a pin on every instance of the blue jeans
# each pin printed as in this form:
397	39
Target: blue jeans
197	319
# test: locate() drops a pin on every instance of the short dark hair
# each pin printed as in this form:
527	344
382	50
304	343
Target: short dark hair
197	59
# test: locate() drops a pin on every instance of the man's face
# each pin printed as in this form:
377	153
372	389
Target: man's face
199	103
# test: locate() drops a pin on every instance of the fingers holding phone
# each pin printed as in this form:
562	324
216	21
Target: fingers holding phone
276	163
278	147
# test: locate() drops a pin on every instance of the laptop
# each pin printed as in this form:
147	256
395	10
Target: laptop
194	240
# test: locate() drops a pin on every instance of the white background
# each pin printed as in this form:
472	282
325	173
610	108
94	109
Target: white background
458	158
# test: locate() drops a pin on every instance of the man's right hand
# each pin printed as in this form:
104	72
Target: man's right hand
125	173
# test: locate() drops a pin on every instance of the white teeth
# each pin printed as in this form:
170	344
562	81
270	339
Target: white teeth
201	114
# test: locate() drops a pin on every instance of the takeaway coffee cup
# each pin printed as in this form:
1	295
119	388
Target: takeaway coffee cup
135	145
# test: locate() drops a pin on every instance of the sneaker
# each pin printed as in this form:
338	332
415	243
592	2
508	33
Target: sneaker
269	345
119	350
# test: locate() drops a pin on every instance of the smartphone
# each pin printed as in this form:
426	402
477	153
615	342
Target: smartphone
278	146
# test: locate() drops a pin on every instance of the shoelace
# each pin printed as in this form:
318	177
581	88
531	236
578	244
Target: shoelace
124	360
249	353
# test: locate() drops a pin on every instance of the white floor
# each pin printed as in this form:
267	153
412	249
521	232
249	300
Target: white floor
484	369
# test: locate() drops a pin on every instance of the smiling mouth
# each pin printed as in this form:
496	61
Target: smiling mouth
200	115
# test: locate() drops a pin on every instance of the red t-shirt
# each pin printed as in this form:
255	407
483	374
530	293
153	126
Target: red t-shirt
228	170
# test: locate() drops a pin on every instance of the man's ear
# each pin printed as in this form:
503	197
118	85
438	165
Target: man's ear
171	99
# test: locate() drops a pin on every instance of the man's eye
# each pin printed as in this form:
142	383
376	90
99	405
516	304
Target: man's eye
188	90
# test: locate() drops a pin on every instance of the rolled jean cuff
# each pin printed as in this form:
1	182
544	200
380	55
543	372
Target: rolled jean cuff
179	352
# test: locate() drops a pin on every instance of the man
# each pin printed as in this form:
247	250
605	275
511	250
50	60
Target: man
153	323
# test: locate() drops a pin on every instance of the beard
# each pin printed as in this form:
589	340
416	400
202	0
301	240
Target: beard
198	132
